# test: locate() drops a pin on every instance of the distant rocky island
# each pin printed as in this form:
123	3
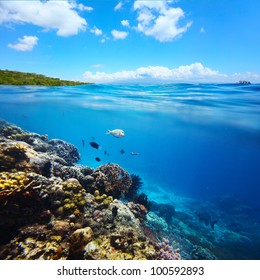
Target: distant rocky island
244	82
22	78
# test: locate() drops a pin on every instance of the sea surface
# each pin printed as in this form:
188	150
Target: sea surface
198	142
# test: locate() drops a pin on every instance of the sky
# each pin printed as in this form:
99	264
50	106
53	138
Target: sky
115	41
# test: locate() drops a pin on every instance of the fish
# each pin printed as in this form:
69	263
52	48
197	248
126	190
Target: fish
118	133
83	142
134	153
94	145
206	218
122	151
114	211
97	159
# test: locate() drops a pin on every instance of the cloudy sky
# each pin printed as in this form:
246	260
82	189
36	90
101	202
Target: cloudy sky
132	40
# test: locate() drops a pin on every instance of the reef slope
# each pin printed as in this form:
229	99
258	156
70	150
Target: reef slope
52	208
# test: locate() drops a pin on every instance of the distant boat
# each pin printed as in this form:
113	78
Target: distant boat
244	83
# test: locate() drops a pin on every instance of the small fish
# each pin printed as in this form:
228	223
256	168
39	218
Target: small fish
118	133
122	151
97	159
83	142
106	153
94	145
92	137
134	153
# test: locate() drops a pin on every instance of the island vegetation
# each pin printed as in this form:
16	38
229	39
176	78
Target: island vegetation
22	78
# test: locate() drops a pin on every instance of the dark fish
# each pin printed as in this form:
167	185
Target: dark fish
114	211
94	145
83	142
206	219
106	153
122	151
134	153
92	137
97	159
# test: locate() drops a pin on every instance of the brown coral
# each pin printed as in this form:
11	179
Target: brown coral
111	179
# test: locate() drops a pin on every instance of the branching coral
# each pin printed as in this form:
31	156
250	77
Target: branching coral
165	251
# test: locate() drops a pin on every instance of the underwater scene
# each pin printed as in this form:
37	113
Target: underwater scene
169	171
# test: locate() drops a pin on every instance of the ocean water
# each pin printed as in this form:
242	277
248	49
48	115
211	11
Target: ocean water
200	141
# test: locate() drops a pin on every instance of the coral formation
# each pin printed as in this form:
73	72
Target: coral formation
53	209
165	251
64	150
111	179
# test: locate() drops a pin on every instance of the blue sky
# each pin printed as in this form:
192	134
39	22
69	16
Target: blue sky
132	40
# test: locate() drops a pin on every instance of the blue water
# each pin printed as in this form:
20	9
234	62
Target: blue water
195	140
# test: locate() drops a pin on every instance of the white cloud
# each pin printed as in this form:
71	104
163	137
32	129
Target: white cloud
96	31
82	7
26	43
57	15
118	6
125	23
160	20
192	72
98	65
248	76
119	35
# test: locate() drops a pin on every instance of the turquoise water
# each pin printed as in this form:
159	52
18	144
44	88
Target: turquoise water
197	149
197	140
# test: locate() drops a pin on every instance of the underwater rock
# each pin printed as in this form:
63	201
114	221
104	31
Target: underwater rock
200	253
166	211
19	156
78	240
64	150
11	132
138	210
156	223
23	196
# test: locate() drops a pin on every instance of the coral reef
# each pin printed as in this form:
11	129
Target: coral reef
165	251
64	150
51	208
111	179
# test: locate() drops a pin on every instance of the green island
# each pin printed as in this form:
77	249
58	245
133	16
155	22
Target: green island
22	78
